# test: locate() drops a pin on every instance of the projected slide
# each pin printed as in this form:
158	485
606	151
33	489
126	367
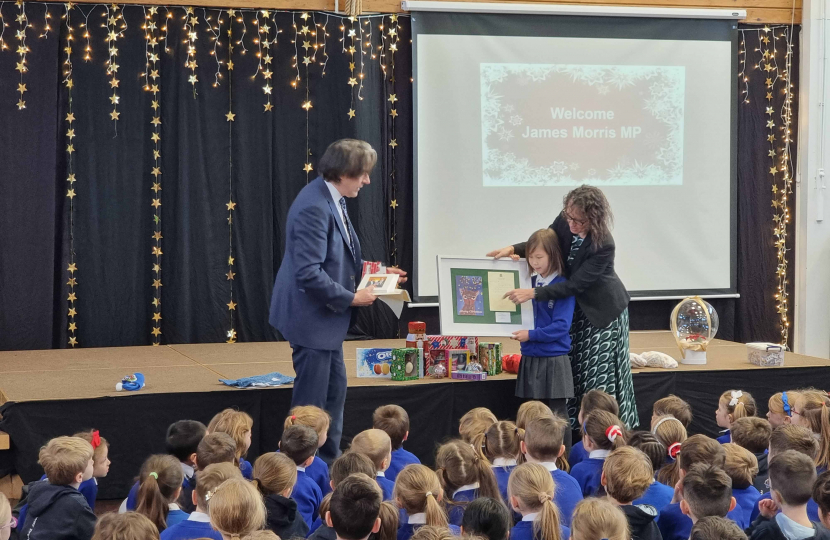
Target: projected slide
567	124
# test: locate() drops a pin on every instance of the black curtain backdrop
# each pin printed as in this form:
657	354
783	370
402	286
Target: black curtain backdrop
257	161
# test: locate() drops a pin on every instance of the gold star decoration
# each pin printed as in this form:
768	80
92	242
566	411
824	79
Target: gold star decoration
156	121
73	327
393	113
231	205
192	79
230	65
72	282
769	95
72	312
156	316
156	203
231	305
394	203
393	98
393	143
772	153
115	114
156	283
157	235
156	171
266	89
156	187
70	149
230	275
351	113
773	170
230	260
71	268
268	107
770	137
114	99
114	83
307	105
21	88
770	124
156	302
156	331
73	341
21	105
70	118
774	188
70	193
72	297
769	110
71	178
230	116
156	251
155	137
307	167
352	81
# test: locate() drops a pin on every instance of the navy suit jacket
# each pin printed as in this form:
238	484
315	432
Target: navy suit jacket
315	285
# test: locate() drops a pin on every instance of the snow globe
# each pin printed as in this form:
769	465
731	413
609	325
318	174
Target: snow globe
694	323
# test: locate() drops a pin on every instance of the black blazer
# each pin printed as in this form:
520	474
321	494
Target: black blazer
591	278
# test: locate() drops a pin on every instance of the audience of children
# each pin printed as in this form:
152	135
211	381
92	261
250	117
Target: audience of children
657	485
733	404
626	475
394	420
377	446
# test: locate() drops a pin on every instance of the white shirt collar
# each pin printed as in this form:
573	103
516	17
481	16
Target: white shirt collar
381	474
542	281
530	517
468	487
549	465
792	530
187	470
504	462
95	480
417	519
599	454
173	506
301	469
201	517
335	195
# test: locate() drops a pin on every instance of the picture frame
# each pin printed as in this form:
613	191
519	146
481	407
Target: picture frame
470	296
384	283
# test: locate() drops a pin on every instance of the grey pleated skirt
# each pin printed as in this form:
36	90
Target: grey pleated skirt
545	378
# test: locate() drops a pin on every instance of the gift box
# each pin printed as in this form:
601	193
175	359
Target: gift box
489	356
406	364
460	359
374	363
765	354
454	342
469	375
437	357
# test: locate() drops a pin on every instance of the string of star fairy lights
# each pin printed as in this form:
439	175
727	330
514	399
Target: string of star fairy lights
191	21
394	37
70	181
152	84
22	50
231	205
264	41
112	64
351	33
308	58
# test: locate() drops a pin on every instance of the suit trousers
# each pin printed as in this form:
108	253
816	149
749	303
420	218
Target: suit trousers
321	381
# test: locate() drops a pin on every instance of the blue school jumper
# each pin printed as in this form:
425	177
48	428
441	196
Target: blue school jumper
523	530
196	526
726	437
578	454
567	494
745	500
132	497
413	522
386	485
551	336
463	495
319	472
400	459
674	525
812	508
502	468
308	496
175	515
589	471
657	495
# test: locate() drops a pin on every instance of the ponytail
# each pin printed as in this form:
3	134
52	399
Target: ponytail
669	474
417	489
534	487
739	412
488	486
546	525
160	480
434	513
605	429
479	443
738	404
813	405
824	440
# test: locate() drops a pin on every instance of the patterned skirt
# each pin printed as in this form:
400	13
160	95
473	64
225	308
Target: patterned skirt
599	359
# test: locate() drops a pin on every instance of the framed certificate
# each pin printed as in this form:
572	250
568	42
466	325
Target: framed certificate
470	296
383	283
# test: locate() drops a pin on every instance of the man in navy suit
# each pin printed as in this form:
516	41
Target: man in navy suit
315	286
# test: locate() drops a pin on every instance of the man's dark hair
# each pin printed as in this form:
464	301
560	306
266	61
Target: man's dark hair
488	518
707	490
716	528
347	157
183	438
354	506
299	443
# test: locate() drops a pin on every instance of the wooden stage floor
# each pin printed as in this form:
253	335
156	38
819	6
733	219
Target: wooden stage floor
91	373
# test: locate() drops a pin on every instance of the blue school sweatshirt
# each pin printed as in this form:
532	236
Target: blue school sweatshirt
577	454
657	495
745	500
567	494
175	515
319	472
132	497
407	529
400	459
196	526
812	508
464	495
523	530
501	469
674	525
552	333
588	474
308	496
386	485
726	437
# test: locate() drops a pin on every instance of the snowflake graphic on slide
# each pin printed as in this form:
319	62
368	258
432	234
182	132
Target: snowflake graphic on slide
573	166
515	119
559	167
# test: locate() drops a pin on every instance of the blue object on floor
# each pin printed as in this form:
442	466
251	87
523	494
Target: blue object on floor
259	381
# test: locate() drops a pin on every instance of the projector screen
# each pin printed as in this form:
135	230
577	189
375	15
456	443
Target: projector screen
513	111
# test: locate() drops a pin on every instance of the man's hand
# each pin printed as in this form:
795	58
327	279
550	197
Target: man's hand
364	297
503	252
521	335
768	508
396	270
520	296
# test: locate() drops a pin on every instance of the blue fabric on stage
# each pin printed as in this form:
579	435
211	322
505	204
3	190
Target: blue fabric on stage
588	474
577	454
258	381
657	495
319	472
523	530
190	530
400	459
308	497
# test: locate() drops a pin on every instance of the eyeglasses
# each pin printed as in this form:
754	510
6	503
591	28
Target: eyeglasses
569	217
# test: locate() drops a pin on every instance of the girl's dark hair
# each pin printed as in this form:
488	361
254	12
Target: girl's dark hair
547	241
592	202
651	446
488	518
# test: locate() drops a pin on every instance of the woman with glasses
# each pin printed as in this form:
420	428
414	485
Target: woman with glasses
599	332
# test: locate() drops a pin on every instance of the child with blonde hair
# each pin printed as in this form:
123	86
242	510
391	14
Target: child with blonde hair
753	433
236	509
464	477
475	422
7	522
672	405
598	519
741	467
377	446
129	526
626	475
671	432
389	516
500	446
733	404
531	492
542	444
394	420
716	528
57	510
602	432
418	492
593	400
100	464
299	443
812	412
320	421
160	483
658	494
780	408
529	411
198	524
238	425
275	475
